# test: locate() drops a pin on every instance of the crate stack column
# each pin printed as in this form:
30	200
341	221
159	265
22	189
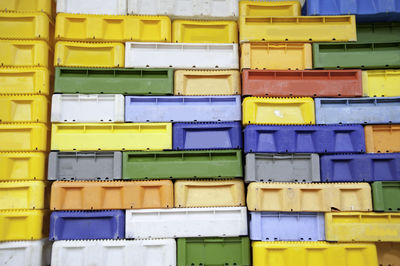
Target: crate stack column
25	41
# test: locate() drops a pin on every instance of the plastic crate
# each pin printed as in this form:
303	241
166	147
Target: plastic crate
17	53
306	139
107	28
182	108
257	110
302	197
114	80
357	111
302	83
388	253
24	108
386	196
22	166
381	83
269	9
33	253
378	32
207	136
45	6
98	108
35	80
186	222
276	56
182	55
23	137
294	167
182	164
22	195
78	225
111	137
99	7
382	138
283	226
360	167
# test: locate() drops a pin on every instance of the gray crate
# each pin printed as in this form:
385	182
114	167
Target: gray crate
85	165
266	167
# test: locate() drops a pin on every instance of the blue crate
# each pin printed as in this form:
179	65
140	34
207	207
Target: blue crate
285	226
381	110
207	136
360	167
304	139
182	108
81	225
365	10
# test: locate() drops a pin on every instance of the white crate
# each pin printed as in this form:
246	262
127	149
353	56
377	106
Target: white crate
182	55
25	253
193	9
97	7
160	252
87	108
186	222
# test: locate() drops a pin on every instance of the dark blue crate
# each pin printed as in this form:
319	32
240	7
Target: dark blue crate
207	136
360	167
284	226
81	225
304	139
365	10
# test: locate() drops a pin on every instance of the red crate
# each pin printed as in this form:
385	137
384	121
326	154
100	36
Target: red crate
302	83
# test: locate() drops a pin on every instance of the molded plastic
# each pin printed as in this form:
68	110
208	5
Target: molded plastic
306	139
388	253
98	108
182	164
357	111
45	6
114	80
103	28
22	166
182	55
360	167
209	193
378	32
362	227
23	137
25	54
386	196
278	111
214	251
276	56
35	80
78	225
84	165
207	136
302	83
381	83
302	197
382	138
186	222
111	137
269	8
79	54
282	226
99	7
147	252
295	167
32	253
182	108
23	195
23	108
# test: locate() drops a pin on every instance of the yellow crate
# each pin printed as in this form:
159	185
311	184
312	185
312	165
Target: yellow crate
27	6
281	111
24	108
276	56
314	254
23	137
388	253
191	31
76	54
303	197
362	227
72	27
22	195
209	193
24	225
298	29
33	80
22	166
381	83
269	9
198	82
107	136
25	26
15	53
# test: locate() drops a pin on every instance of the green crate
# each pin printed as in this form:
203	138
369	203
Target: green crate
386	196
356	55
182	164
114	80
378	32
214	251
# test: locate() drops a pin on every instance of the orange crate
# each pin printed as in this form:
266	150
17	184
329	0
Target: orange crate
107	195
382	138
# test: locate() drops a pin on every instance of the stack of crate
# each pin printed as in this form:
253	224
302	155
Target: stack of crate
25	41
